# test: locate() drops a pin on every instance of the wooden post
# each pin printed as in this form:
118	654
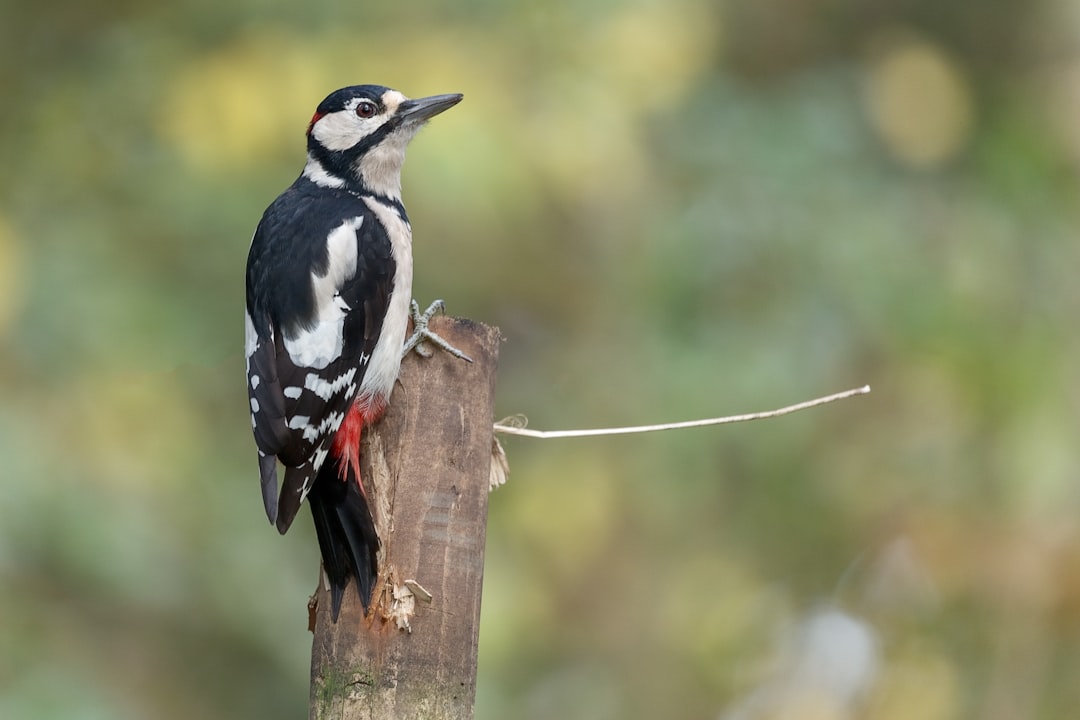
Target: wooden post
426	468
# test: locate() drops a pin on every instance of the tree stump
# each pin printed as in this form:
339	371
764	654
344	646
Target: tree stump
426	468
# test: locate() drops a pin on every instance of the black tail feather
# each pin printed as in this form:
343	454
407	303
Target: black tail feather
346	532
268	480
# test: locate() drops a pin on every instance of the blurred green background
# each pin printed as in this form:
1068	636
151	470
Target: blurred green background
672	210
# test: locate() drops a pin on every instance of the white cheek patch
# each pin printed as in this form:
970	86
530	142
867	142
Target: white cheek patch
342	129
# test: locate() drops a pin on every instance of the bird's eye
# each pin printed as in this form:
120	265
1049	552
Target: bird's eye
366	109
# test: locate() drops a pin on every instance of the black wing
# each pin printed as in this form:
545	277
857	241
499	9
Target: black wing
299	298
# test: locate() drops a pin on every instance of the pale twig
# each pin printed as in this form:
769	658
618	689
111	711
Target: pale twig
520	429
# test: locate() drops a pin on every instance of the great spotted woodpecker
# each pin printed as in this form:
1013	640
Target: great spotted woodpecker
329	290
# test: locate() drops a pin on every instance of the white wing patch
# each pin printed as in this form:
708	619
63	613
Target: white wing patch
321	345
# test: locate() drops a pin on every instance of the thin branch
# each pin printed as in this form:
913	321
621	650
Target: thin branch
519	429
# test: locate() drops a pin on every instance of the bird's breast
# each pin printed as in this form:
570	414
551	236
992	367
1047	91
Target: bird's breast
385	359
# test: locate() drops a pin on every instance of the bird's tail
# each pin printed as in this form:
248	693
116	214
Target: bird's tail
346	532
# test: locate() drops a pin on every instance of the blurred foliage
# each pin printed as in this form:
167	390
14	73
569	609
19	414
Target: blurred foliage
672	210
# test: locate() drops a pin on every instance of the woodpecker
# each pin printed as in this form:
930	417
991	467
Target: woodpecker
329	292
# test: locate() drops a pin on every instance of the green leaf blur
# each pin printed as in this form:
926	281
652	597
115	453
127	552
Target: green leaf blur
672	210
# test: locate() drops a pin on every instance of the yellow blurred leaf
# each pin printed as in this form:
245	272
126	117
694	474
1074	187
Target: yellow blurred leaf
919	101
230	108
920	683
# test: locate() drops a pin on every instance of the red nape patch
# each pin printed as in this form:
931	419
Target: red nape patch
346	444
314	119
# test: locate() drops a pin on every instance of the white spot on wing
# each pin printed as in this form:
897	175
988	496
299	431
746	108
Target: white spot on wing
320	456
255	381
306	487
292	392
329	425
254	405
251	338
316	463
299	421
326	389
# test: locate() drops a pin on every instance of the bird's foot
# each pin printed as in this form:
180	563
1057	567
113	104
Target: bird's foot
421	334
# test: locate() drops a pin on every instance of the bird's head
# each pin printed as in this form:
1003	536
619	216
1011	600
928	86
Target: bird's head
358	136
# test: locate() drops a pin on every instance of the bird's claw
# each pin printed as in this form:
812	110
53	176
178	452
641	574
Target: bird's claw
422	334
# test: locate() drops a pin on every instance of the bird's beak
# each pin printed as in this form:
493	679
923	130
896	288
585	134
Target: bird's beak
422	109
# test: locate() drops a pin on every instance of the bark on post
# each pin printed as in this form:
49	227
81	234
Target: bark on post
426	469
